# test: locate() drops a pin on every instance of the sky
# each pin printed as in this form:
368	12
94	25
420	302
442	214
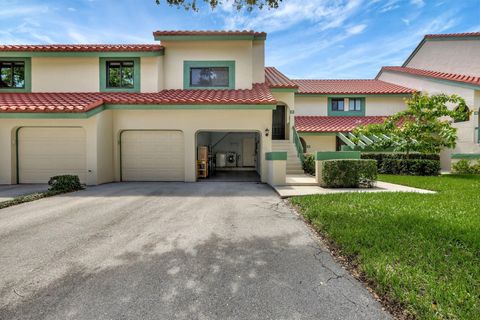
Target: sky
314	39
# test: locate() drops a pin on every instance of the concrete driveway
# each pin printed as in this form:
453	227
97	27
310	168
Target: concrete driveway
170	251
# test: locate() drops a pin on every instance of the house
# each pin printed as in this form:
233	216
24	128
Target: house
199	101
450	64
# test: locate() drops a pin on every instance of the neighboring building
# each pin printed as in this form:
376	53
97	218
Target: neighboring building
450	64
142	112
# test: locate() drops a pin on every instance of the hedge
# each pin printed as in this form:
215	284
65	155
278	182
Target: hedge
465	166
65	183
415	164
309	164
351	173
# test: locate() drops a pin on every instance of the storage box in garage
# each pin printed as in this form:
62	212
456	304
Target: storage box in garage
202	153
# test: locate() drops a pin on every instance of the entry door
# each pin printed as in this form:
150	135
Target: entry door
278	125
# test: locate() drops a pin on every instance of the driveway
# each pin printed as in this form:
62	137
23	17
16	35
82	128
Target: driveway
8	192
170	251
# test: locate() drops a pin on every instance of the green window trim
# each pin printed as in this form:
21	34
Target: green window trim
331	112
28	75
276	156
206	64
136	75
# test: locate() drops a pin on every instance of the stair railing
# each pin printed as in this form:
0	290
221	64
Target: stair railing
298	145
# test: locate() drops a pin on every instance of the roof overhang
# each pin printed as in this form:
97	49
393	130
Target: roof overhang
208	35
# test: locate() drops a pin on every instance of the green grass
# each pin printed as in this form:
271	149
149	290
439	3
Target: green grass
420	250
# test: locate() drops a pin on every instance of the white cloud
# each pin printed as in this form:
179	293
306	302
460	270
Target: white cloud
418	3
357	29
406	21
71	9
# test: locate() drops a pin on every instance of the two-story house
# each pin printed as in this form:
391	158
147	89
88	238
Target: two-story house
151	112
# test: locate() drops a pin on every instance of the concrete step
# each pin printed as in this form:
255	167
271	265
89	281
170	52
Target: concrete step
300	180
289	172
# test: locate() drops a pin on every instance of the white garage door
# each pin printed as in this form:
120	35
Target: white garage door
46	152
153	156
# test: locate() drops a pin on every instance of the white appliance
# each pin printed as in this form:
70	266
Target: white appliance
231	159
221	160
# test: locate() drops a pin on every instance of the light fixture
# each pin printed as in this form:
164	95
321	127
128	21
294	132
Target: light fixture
267	132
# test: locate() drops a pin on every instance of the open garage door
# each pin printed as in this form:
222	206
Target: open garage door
152	156
44	152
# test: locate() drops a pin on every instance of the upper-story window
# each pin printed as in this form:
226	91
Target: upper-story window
346	106
209	75
15	75
12	74
120	74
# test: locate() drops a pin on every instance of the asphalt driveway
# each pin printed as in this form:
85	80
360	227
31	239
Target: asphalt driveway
170	251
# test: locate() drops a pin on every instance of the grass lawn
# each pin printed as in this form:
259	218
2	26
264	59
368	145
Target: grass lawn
420	250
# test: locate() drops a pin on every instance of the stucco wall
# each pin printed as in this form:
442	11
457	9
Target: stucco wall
453	56
178	52
287	98
62	74
151	74
320	143
189	122
258	63
105	147
311	106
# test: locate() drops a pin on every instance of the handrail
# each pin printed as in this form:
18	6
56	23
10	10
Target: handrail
298	145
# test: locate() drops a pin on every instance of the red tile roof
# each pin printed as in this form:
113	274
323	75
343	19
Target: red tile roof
208	33
350	87
83	102
453	35
461	78
82	48
276	79
333	124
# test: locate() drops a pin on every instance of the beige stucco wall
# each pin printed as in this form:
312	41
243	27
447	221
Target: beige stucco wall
320	142
178	52
453	56
384	105
190	122
151	74
8	144
258	63
104	143
311	106
288	99
65	74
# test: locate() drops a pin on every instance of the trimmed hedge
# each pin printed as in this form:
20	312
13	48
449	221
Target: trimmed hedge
309	164
65	183
465	166
415	164
351	173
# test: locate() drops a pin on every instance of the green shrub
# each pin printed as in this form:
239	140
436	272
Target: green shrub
65	183
465	166
309	164
351	173
416	164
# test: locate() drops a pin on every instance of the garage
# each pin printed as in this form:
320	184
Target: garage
44	152
228	156
152	155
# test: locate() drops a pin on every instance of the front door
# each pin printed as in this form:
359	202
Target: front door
278	125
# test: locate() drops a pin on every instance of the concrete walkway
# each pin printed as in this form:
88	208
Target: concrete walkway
304	190
170	251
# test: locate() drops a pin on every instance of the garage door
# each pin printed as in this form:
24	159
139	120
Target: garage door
152	156
46	152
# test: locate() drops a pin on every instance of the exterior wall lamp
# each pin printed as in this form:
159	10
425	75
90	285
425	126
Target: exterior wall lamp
267	132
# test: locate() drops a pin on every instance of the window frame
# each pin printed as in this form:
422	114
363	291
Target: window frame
348	112
188	65
27	76
104	75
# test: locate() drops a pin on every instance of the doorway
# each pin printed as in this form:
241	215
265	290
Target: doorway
278	123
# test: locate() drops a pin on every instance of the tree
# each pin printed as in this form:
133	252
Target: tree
238	4
425	127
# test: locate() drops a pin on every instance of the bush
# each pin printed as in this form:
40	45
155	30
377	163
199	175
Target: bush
415	164
351	173
309	164
465	166
65	183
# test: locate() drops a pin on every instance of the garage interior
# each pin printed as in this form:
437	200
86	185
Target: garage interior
228	156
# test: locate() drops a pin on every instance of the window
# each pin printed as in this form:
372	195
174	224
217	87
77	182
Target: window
209	74
12	74
120	74
338	104
209	77
355	104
